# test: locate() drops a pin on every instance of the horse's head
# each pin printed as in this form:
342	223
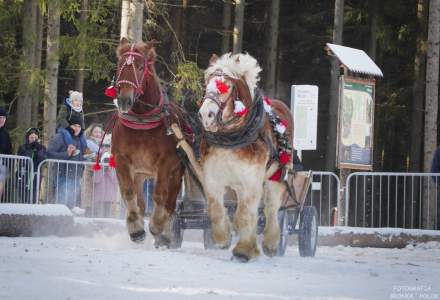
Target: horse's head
230	83
134	70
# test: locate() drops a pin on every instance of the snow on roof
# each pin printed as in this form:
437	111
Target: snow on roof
34	209
355	60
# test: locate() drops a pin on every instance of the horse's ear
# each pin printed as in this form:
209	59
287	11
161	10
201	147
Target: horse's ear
148	50
124	41
213	59
237	60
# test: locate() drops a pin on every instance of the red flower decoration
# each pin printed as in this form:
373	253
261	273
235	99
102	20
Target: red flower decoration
112	162
111	92
285	123
284	157
222	87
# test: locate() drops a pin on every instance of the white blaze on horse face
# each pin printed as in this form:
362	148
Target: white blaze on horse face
210	109
208	114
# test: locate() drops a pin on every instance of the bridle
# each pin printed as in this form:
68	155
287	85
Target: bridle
129	57
215	97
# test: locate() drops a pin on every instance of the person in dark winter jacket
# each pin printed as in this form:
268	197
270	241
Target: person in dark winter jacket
32	147
35	151
5	139
67	186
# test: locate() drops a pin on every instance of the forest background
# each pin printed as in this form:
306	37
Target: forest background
50	47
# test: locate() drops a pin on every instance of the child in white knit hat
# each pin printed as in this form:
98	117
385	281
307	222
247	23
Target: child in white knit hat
73	106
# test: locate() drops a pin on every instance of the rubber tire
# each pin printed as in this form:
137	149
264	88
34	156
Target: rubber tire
208	241
176	232
282	222
308	232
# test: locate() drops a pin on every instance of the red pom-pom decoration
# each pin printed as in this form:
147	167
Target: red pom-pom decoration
111	92
284	157
222	87
96	167
285	123
112	162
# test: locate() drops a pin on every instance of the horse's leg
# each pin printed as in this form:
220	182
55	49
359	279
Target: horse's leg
272	201
139	183
245	222
167	187
221	226
128	188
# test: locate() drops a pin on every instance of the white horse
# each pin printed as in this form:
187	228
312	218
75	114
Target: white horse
247	148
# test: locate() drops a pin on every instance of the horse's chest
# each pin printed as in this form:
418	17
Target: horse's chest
224	166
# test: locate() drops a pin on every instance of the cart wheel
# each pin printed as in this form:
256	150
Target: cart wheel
176	232
308	232
208	241
282	222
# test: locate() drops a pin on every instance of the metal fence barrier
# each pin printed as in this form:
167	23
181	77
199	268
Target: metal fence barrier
406	200
16	179
73	183
324	195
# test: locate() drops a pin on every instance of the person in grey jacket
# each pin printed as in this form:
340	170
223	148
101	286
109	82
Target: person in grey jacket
68	175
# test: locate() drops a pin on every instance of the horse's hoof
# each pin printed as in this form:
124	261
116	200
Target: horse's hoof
269	252
161	241
240	257
138	236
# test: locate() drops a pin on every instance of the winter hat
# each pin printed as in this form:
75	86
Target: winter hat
31	130
74	95
3	112
74	119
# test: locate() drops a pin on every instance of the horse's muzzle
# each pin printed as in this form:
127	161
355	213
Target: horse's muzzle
125	102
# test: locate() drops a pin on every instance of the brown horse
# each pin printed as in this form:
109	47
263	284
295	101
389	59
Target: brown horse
248	144
140	144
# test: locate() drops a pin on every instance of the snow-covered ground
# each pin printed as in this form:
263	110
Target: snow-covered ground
112	267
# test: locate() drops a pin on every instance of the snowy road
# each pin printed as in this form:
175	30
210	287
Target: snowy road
113	268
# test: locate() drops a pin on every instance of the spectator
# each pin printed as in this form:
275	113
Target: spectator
73	107
37	152
68	187
32	147
93	136
106	184
5	139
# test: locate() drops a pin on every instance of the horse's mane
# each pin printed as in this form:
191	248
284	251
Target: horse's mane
238	66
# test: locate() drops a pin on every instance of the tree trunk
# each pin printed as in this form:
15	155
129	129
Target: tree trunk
226	24
272	46
178	40
372	49
418	89
238	25
80	73
52	62
334	88
431	106
37	91
132	19
24	106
